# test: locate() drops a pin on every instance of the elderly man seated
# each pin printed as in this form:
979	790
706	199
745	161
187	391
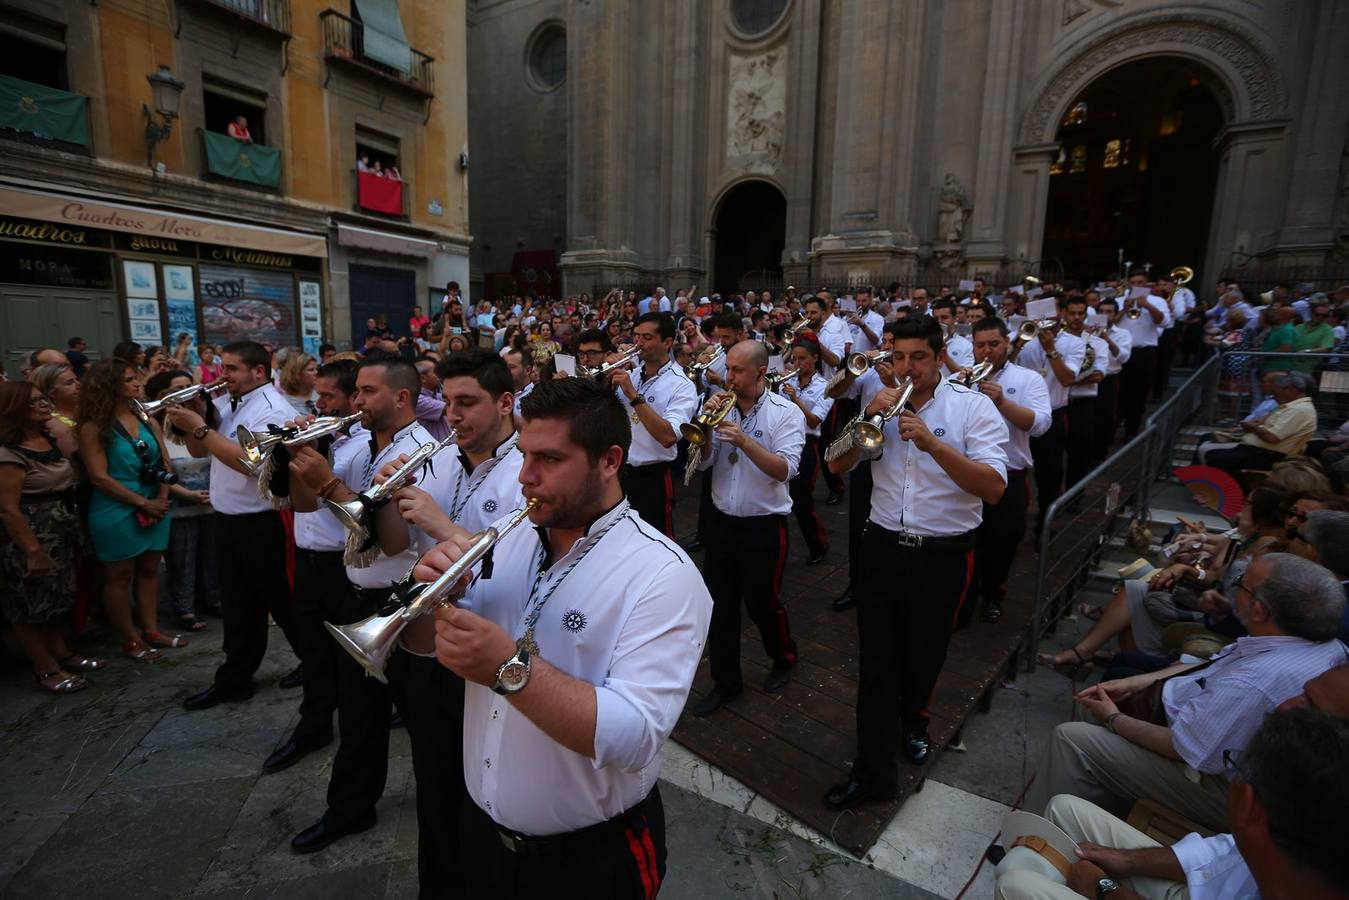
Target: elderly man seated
1323	537
1284	432
1183	718
1287	804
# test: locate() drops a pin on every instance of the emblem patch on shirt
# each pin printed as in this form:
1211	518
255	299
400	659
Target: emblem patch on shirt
939	432
489	506
1011	390
650	399
758	434
574	621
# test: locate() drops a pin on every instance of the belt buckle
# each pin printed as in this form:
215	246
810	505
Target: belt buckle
909	540
509	841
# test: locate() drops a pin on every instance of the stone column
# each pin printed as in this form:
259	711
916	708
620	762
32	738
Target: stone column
799	156
1245	211
1027	200
684	153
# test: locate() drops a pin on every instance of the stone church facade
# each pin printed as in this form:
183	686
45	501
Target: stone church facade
886	138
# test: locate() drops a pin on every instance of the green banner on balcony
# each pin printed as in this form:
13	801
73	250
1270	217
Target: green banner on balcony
43	111
242	161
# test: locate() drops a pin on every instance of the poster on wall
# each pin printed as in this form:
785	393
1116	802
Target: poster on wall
143	317
181	303
140	279
311	316
240	304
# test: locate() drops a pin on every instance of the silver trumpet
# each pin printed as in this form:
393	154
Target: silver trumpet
257	447
320	427
629	357
776	380
870	432
795	328
371	640
354	514
695	369
973	375
144	409
858	363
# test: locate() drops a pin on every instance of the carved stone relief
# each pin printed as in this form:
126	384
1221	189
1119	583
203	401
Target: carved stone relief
756	111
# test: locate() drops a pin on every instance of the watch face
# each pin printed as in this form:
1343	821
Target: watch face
514	676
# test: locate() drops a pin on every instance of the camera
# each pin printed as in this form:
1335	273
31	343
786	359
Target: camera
157	475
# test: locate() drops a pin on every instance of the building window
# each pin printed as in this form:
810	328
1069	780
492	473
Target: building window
1077	115
223	104
1060	162
754	17
379	180
548	57
33	50
1113	152
1078	165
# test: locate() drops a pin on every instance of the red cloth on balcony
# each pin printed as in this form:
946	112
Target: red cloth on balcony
379	194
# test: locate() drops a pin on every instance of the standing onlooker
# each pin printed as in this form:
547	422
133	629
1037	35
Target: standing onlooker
417	320
75	353
41	529
125	462
62	389
131	352
208	369
299	373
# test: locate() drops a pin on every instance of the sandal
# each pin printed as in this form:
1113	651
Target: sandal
1090	611
68	684
1077	671
160	639
145	654
76	663
191	623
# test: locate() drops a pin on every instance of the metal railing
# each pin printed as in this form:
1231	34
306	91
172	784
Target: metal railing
1238	389
344	40
272	14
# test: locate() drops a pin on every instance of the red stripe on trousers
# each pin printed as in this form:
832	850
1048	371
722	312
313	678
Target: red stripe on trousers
964	593
669	504
651	855
648	890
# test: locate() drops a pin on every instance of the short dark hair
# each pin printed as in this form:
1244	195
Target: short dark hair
990	323
71	342
324	348
526	358
664	324
1104	300
1295	763
864	289
399	374
596	420
126	350
891	328
819	301
159	383
1133	272
1073	300
595	336
250	353
943	303
452	286
924	328
483	365
730	320
757	315
342	371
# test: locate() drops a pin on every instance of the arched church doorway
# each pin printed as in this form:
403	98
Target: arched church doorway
1136	170
749	234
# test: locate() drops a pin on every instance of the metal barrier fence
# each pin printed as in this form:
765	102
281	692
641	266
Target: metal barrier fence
1238	389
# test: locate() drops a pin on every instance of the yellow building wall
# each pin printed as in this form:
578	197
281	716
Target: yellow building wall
135	40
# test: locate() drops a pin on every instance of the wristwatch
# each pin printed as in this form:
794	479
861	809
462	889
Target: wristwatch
1106	886
637	401
199	433
1053	354
513	674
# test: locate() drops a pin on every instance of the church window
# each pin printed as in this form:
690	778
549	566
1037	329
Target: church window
1060	163
548	57
754	17
1077	115
1078	165
1112	154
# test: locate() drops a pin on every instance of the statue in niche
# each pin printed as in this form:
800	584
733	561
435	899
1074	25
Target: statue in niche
955	208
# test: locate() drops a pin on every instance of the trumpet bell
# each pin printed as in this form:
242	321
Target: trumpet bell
1182	275
869	434
858	363
696	434
370	641
351	513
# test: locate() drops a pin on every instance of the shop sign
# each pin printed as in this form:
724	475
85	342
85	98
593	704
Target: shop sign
16	229
55	266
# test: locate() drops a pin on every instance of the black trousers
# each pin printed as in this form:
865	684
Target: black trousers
252	550
705	506
802	490
859	510
1135	385
907	603
1080	438
623	858
650	490
1167	346
1107	417
321	587
1047	452
364	705
839	415
433	712
996	539
1243	456
744	560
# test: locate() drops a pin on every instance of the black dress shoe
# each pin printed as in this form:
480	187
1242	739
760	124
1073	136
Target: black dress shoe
992	611
321	834
292	751
713	701
851	794
292	679
214	695
693	546
818	558
832	499
916	747
845	600
779	677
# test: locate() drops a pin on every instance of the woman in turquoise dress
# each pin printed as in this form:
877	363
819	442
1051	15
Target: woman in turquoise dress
126	465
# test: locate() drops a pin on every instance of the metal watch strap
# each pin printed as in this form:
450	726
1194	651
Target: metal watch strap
201	431
637	401
521	657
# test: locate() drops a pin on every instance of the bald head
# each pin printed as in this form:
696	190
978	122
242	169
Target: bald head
751	354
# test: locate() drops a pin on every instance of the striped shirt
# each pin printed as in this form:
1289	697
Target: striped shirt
1220	707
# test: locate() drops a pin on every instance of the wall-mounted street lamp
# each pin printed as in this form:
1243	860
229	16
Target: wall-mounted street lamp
167	91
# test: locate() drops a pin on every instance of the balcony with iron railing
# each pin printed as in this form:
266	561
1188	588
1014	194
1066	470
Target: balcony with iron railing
272	15
343	42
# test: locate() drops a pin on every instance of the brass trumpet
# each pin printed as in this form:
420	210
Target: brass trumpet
144	409
973	375
699	431
1027	332
870	432
795	328
354	514
371	640
1182	275
858	363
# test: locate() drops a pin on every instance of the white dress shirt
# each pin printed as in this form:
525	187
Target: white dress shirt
1187	298
1214	869
474	496
860	342
1124	343
1142	329
1024	388
358	474
865	387
671	396
741	488
814	397
524	392
961	351
834	336
638	641
1101	350
234	493
1033	357
320	530
911	492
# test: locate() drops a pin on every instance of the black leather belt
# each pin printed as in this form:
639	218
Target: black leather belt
956	543
570	841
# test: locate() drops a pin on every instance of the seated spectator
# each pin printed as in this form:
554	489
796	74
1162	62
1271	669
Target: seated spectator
1324	539
392	172
75	353
1171	746
238	129
1287	804
1284	432
1298	474
363	163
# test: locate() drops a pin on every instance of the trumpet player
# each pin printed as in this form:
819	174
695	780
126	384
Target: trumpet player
578	643
754	453
1118	346
832	335
658	399
1022	398
806	388
247	528
957	352
1145	330
1080	422
728	329
941	460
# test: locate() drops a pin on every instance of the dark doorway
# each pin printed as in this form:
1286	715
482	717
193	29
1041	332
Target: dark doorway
1136	171
378	292
751	230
